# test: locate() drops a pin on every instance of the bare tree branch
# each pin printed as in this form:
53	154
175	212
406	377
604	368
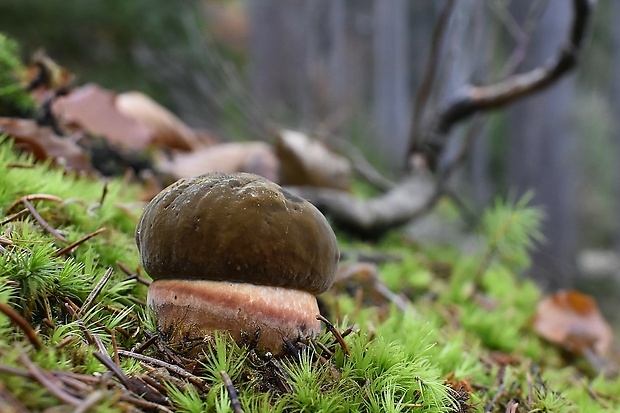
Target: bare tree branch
371	218
483	98
420	190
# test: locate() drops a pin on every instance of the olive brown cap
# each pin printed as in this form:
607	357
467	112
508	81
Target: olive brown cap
240	228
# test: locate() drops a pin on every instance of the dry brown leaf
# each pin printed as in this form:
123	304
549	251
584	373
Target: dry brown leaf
306	161
45	77
44	144
254	157
166	128
92	108
572	320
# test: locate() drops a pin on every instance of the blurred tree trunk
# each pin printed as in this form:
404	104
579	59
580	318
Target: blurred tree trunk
542	155
309	60
615	103
391	76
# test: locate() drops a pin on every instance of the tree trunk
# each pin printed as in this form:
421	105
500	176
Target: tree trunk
542	155
391	77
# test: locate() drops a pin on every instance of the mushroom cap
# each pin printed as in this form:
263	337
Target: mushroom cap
237	227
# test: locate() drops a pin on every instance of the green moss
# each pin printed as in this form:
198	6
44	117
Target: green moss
467	321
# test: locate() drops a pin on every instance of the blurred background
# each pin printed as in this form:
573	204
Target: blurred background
354	68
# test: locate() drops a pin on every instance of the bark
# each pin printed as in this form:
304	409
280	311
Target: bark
543	154
390	76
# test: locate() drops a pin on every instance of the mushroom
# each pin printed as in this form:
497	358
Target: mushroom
236	253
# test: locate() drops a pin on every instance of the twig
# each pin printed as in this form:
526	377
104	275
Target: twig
136	386
96	290
40	376
21	165
14	216
7	398
232	392
16	318
324	348
175	369
13	371
479	98
133	274
90	401
42	221
591	392
33	197
71	246
146	344
335	332
495	398
530	387
63	342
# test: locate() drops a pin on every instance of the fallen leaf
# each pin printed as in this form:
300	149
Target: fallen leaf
166	128
254	157
44	144
45	78
572	320
307	161
93	109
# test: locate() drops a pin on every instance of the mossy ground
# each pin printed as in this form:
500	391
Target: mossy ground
456	337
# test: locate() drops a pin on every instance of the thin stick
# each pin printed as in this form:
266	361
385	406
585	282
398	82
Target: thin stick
133	274
232	392
8	398
46	226
336	333
136	386
176	369
14	216
33	197
71	246
91	400
16	318
64	342
49	384
96	290
146	344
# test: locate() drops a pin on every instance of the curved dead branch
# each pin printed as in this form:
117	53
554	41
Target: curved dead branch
419	191
371	218
474	99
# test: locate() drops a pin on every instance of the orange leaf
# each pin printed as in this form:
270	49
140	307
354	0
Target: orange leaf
572	320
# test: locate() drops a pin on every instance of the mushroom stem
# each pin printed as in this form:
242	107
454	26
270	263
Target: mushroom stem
193	309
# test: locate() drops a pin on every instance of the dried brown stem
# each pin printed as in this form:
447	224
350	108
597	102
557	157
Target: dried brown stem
335	332
175	369
232	392
46	226
47	382
90	401
14	216
132	274
21	322
95	291
146	344
71	246
132	384
33	197
8	399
